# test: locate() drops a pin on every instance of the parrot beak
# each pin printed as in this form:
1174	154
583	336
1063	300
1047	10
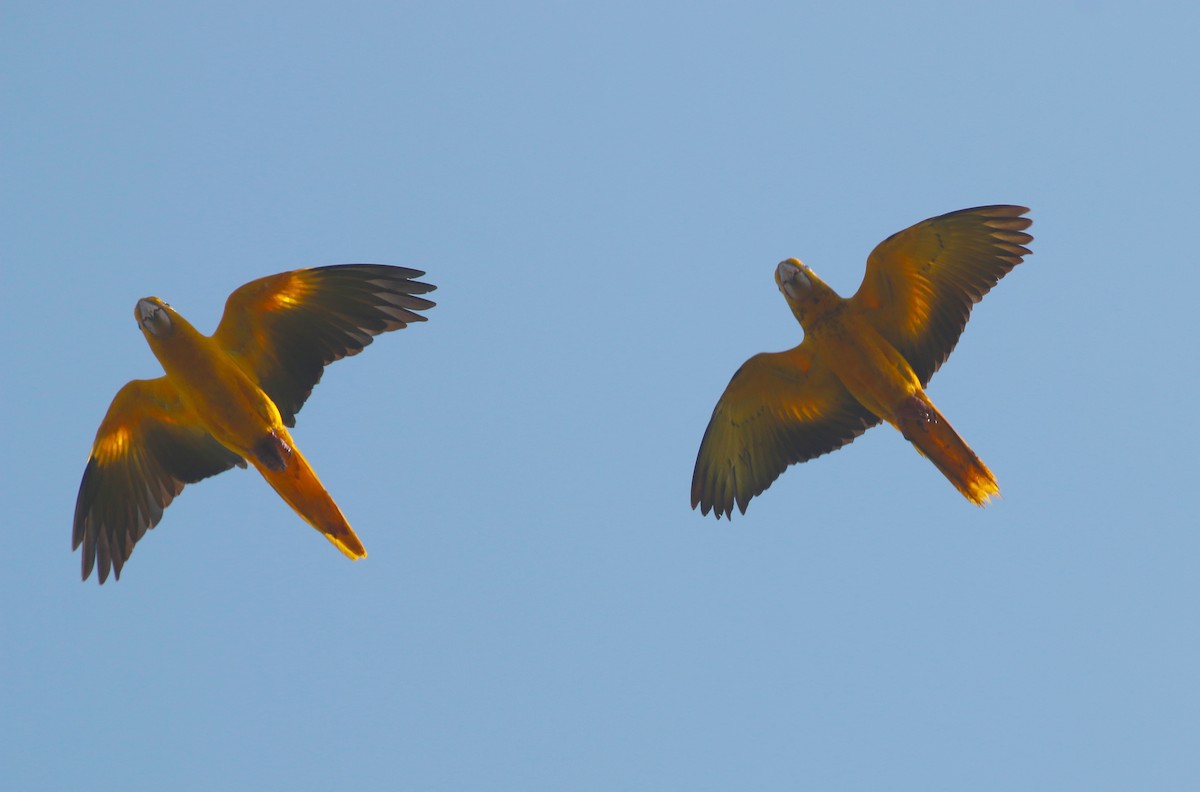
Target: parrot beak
791	279
153	318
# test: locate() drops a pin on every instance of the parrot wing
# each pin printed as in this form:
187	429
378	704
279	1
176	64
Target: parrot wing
922	282
284	329
780	408
147	448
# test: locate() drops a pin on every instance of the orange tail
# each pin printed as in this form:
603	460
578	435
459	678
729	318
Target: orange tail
294	480
928	430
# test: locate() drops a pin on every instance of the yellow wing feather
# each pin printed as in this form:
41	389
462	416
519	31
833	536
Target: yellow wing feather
780	408
922	282
284	329
147	448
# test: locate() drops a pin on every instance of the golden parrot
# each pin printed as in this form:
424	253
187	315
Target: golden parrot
230	397
863	360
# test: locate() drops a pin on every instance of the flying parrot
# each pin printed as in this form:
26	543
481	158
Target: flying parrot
230	398
863	360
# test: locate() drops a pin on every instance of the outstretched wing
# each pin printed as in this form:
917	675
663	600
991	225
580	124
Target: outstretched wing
780	408
146	449
284	329
922	282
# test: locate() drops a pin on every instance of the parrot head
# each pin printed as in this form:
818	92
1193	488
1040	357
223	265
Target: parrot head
807	295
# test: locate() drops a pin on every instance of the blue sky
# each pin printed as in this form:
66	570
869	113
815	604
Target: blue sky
601	194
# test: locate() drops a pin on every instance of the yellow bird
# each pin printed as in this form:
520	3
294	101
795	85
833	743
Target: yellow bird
229	398
863	360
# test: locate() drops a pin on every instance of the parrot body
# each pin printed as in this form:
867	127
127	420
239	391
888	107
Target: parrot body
863	360
229	398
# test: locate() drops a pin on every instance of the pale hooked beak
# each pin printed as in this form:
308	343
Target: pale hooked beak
153	317
792	281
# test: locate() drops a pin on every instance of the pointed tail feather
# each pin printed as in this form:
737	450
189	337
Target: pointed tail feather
299	486
928	430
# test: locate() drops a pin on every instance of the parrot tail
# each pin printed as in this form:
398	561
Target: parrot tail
928	430
297	484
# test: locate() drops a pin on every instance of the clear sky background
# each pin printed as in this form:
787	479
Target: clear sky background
601	193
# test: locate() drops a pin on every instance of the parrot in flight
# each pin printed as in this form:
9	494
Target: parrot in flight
863	360
230	398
